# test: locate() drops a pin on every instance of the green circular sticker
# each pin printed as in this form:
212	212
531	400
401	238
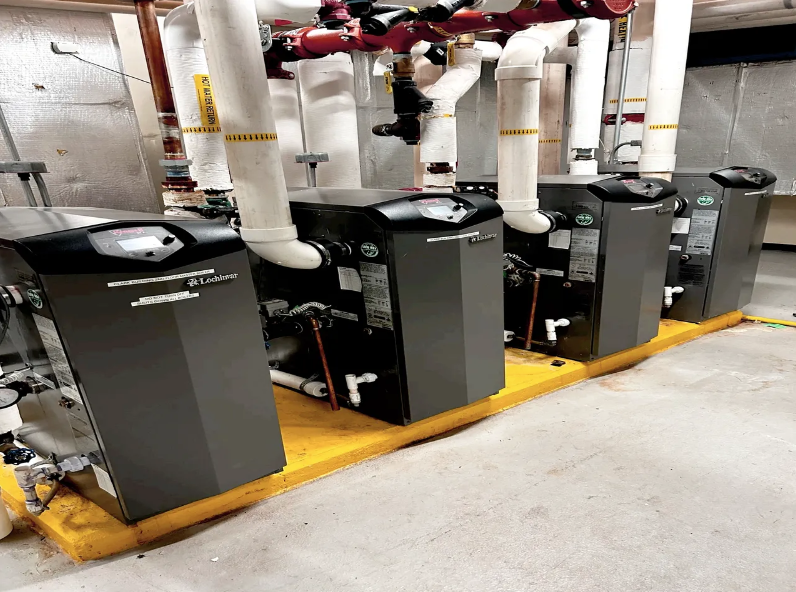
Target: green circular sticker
35	299
369	249
705	200
584	219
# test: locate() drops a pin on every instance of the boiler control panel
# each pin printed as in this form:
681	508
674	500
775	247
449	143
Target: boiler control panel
441	208
145	243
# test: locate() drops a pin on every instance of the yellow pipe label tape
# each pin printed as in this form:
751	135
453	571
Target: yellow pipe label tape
633	100
665	126
202	130
557	141
519	132
250	137
206	100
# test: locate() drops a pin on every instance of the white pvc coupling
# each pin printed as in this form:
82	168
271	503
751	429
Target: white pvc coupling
353	381
551	325
668	295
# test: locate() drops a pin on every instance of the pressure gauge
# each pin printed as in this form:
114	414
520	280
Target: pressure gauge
9	398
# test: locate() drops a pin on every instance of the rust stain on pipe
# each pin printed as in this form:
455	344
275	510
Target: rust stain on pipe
316	328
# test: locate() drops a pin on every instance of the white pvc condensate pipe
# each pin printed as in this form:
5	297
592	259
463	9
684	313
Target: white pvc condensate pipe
588	86
193	95
312	388
231	39
329	113
518	76
665	92
438	142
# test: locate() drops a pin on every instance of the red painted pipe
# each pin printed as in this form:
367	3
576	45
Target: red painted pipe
311	42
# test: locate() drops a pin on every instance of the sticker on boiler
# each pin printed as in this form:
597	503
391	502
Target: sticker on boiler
559	239
165	278
376	293
447	238
163	298
350	316
104	480
57	356
349	279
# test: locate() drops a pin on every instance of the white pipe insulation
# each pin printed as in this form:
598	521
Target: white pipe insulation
588	87
283	12
312	388
193	95
518	75
665	91
330	118
231	39
438	142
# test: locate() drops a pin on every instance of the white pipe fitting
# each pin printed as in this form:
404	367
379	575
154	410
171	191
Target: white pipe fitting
665	92
518	74
353	381
551	325
291	381
232	43
508	336
668	295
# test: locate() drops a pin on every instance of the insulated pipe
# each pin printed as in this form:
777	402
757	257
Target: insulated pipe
193	94
329	112
665	91
518	76
283	12
426	75
729	8
588	86
438	142
745	21
298	383
178	176
231	38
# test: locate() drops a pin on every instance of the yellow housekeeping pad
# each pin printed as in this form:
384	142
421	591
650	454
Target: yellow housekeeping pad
319	441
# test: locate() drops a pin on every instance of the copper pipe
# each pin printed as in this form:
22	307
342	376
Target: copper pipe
316	328
178	176
532	317
108	6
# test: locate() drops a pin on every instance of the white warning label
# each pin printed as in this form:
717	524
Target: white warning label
349	279
161	298
560	239
164	278
344	315
376	291
703	231
583	255
104	480
681	225
55	352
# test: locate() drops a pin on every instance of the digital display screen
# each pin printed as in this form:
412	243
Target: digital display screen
440	210
136	244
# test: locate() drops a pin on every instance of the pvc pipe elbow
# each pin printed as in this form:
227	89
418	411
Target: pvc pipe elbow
282	247
528	221
181	29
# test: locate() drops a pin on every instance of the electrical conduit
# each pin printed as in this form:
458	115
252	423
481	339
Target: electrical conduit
665	91
232	42
438	143
518	75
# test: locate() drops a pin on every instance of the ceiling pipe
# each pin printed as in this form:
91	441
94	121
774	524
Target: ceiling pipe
519	77
672	28
162	8
231	39
588	87
178	175
438	141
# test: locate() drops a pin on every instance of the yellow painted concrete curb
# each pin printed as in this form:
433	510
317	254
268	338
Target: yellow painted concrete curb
772	321
319	442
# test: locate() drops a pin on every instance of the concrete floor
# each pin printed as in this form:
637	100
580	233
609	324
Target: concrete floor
675	475
775	287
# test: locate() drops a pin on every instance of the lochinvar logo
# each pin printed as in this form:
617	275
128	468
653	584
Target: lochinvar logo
483	237
204	281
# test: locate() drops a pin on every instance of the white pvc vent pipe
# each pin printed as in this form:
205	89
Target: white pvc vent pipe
438	141
665	92
231	39
330	118
190	79
588	86
518	75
